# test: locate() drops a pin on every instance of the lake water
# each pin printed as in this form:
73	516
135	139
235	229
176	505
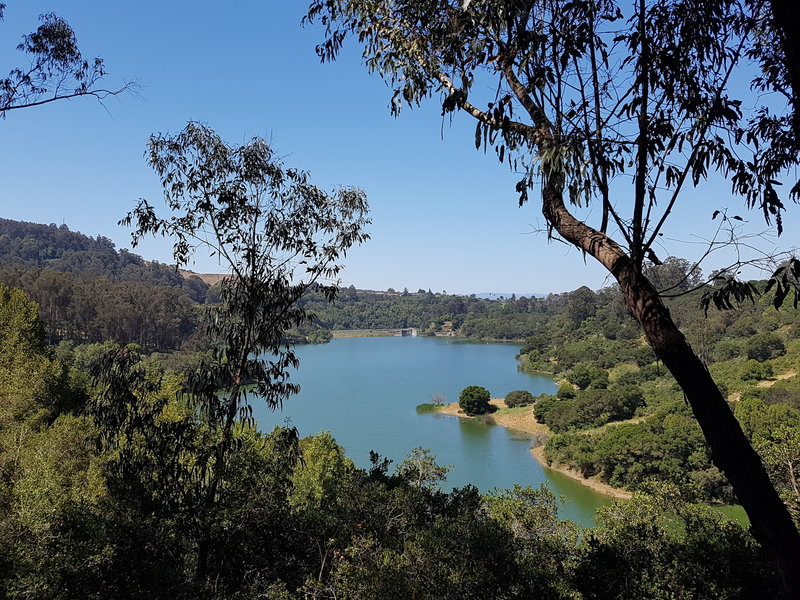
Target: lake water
365	392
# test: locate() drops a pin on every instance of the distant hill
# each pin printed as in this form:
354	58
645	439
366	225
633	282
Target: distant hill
506	296
57	248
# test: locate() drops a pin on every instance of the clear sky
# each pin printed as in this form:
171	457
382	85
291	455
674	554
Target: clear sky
445	216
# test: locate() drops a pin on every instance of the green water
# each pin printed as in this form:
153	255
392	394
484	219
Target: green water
366	390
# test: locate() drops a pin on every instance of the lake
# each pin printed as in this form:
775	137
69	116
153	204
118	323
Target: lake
365	392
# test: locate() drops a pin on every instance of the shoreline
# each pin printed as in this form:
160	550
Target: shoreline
519	419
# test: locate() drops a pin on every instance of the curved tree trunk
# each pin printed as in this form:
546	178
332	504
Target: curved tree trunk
731	452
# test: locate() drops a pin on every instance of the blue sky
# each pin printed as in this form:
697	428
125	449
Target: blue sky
444	216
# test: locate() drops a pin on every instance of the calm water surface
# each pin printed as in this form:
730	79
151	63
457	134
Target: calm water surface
365	391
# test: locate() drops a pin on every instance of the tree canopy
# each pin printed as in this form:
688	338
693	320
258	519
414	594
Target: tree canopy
474	400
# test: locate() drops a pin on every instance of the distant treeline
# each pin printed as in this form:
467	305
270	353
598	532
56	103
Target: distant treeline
509	319
90	292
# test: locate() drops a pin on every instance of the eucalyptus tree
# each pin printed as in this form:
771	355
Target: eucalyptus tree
624	107
279	236
56	69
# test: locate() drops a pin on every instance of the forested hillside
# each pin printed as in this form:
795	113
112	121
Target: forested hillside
620	416
87	309
59	249
90	292
558	317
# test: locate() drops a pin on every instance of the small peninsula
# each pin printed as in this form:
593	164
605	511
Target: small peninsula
522	419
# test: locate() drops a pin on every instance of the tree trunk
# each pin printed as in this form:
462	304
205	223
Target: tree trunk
731	452
786	14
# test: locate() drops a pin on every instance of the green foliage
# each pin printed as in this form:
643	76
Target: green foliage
786	392
33	386
290	518
90	292
630	378
659	547
774	431
758	371
89	309
588	346
566	391
581	305
263	220
590	408
20	327
764	346
474	400
277	234
64	251
544	544
586	375
538	344
420	469
519	398
652	372
315	478
727	293
674	275
55	69
646	80
785	279
728	349
56	470
665	447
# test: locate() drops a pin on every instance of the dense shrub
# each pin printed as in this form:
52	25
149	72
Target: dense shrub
586	375
566	391
519	398
727	349
786	391
650	548
631	378
764	346
652	371
590	408
667	447
754	370
644	355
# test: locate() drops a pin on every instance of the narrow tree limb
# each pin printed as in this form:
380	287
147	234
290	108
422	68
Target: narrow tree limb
484	117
